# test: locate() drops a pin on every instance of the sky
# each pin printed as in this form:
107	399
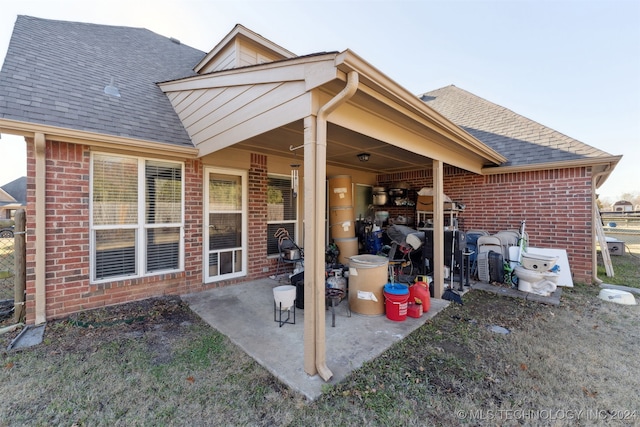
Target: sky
571	65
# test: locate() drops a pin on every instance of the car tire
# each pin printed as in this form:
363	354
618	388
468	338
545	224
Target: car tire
6	234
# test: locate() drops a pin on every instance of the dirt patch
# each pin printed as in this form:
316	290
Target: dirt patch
157	318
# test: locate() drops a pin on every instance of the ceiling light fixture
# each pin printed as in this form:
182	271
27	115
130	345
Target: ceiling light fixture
364	157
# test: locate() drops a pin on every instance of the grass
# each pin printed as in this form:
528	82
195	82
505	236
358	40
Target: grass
571	364
626	271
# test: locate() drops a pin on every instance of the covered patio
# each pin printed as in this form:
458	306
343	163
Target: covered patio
321	111
245	314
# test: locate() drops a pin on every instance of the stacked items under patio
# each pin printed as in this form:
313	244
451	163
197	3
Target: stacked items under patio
454	248
342	222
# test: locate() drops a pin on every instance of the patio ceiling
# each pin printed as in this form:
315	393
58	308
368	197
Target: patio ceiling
343	147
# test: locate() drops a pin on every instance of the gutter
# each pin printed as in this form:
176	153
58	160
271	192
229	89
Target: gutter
609	162
320	199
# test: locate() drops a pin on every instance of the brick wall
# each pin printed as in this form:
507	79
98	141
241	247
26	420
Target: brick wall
556	205
257	217
68	288
67	238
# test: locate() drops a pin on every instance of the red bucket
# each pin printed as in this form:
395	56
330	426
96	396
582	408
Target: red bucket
396	298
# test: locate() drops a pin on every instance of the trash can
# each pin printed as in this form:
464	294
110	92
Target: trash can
297	280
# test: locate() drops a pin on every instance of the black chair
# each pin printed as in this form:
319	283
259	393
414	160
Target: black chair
288	251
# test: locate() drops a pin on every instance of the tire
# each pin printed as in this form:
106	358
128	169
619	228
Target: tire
6	234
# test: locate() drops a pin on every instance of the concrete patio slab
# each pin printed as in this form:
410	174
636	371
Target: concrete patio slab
245	314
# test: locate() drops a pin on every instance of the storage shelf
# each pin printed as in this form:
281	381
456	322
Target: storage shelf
450	218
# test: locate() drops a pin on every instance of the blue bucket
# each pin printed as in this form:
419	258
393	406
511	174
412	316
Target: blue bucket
396	289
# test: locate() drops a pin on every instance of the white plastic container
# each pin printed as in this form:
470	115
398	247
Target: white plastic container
617	296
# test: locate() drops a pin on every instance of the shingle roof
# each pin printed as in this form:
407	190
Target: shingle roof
55	73
521	140
17	189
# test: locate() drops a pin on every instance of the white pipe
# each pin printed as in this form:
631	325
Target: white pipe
594	254
10	328
40	229
320	200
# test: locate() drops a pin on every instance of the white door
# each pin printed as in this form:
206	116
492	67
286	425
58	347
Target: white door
225	236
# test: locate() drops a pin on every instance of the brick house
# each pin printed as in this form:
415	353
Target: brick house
13	196
149	162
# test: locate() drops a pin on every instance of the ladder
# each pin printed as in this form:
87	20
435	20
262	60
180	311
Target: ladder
602	241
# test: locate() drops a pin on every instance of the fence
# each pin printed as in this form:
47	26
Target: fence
624	227
12	269
7	267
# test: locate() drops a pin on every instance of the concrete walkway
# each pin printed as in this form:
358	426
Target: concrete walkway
245	314
553	299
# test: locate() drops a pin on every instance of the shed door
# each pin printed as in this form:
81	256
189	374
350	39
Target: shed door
225	224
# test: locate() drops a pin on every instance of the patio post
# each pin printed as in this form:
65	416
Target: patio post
310	210
40	229
438	229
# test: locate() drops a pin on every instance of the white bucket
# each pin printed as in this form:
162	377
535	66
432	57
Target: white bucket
284	296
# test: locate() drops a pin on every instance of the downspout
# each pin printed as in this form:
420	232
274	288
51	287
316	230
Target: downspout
319	227
594	254
40	229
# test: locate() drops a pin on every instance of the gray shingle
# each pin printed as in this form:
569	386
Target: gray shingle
521	140
55	73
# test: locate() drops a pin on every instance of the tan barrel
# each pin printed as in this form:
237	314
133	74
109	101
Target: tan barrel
348	248
340	191
342	222
367	276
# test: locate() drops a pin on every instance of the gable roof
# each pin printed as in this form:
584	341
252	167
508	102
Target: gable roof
55	73
239	37
17	190
521	140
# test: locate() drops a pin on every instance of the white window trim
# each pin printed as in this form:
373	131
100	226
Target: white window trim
205	230
296	221
141	227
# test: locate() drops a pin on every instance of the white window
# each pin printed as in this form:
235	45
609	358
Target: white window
282	210
137	223
225	224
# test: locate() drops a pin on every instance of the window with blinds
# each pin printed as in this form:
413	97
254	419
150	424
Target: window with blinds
136	216
282	210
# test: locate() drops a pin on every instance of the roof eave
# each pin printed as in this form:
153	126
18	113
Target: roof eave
599	164
74	136
369	75
259	73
